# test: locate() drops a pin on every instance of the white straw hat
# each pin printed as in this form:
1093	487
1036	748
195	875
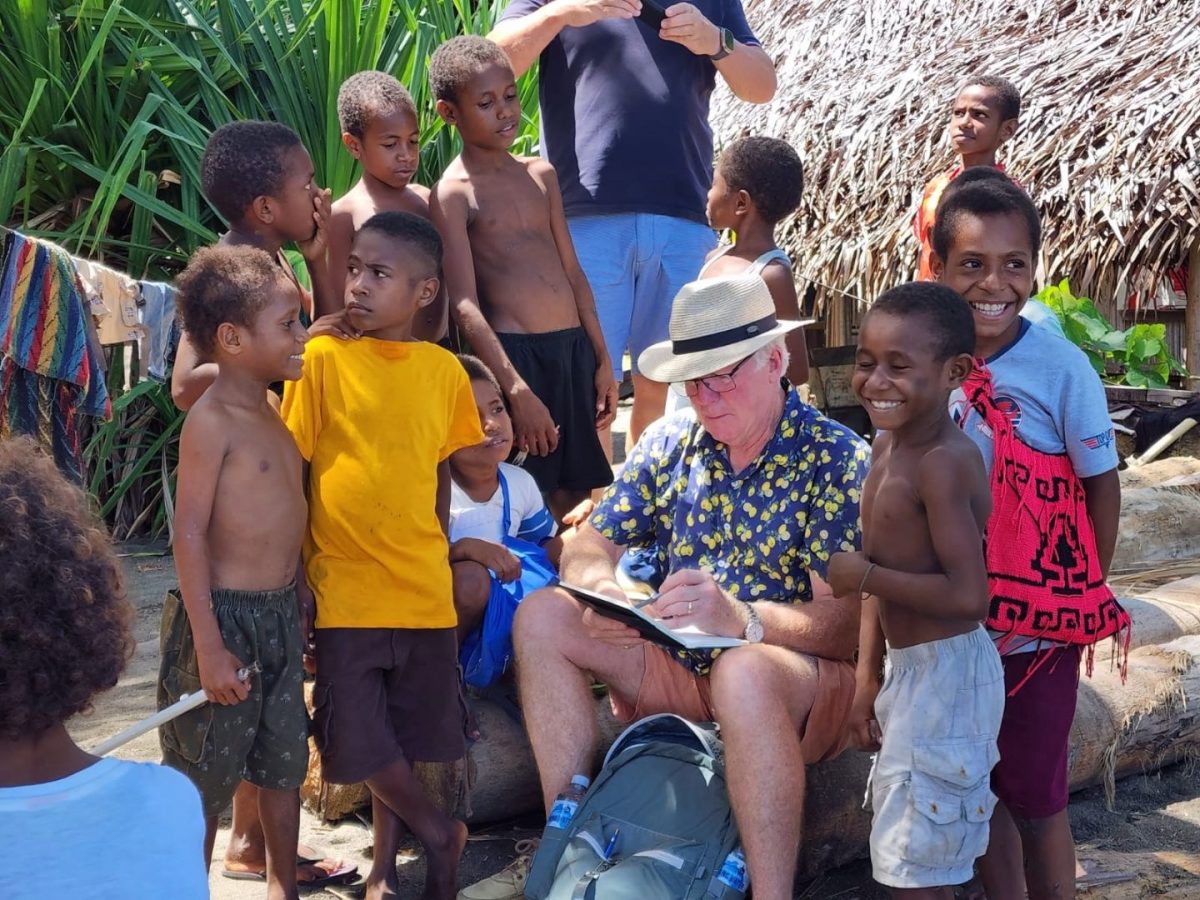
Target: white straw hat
715	322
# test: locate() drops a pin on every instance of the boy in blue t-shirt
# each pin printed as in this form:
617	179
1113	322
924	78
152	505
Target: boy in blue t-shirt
1046	406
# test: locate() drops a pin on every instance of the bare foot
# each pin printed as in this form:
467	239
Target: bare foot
378	891
441	872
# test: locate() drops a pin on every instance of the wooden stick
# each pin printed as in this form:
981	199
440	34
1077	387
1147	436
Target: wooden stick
1191	318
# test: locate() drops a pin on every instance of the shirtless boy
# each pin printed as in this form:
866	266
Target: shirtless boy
517	292
240	515
380	129
924	585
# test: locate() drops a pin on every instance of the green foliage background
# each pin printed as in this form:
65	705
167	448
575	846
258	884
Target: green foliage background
105	107
1138	356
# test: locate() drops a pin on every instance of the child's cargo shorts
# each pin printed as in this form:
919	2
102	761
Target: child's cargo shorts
940	710
263	739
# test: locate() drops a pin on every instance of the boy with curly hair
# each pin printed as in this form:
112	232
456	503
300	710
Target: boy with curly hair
239	519
65	636
381	130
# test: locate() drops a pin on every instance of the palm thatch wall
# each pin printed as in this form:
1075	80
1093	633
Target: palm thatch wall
1108	146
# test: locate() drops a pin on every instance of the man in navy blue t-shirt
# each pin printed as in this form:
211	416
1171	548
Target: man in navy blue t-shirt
625	124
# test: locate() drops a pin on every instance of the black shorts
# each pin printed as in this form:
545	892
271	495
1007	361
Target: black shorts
263	739
560	368
383	694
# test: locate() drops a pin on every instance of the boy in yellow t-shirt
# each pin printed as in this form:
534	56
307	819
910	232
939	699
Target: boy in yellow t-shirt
377	419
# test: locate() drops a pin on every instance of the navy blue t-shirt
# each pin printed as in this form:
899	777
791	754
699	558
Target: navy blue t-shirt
625	114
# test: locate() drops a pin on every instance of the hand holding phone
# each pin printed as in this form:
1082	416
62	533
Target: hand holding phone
652	14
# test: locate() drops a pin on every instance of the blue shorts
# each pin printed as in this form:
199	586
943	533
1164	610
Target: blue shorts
636	263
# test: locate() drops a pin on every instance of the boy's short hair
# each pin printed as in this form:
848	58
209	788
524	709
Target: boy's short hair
767	169
244	160
65	623
1007	95
948	317
223	284
982	191
458	61
366	95
417	233
477	370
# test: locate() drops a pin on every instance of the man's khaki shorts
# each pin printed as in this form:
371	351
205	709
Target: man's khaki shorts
670	687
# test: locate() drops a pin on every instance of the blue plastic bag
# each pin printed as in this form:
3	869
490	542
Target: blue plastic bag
486	652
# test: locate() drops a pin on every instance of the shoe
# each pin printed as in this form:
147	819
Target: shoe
507	884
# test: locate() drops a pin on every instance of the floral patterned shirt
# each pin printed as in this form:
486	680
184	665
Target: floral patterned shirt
760	531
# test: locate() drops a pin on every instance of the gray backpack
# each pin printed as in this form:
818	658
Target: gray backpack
661	790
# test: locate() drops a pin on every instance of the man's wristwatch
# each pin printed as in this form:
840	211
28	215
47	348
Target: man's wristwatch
726	45
754	628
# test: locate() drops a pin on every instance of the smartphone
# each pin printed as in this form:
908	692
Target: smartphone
652	14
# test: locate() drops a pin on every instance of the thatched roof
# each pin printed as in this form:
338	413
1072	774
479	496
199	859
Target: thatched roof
1108	145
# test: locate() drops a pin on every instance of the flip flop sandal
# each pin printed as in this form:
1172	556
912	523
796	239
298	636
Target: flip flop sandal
336	875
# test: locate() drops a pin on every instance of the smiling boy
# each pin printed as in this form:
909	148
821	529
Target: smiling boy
924	586
1036	410
985	115
239	517
517	291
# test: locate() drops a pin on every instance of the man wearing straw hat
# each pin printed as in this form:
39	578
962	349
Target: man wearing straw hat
744	503
624	89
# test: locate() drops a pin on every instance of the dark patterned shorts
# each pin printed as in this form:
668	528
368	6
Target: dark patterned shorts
263	739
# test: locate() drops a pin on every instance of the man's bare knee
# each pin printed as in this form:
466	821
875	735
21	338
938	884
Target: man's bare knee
747	679
545	616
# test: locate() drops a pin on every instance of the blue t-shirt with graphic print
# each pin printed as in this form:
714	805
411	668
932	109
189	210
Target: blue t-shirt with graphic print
625	113
760	531
1056	397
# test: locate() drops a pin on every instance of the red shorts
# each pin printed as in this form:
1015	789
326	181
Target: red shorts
1031	777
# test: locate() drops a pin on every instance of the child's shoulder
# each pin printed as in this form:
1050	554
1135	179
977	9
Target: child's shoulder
518	478
1042	355
358	204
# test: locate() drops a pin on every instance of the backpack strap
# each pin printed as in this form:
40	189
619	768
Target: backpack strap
580	891
506	517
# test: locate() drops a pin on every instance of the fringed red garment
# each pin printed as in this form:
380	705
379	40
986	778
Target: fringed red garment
1044	575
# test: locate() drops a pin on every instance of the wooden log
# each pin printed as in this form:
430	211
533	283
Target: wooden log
1160	615
498	781
1191	318
1157	525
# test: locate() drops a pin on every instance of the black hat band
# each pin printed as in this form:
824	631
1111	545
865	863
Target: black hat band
724	338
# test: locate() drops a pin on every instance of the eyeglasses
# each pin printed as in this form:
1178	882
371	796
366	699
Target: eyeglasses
718	384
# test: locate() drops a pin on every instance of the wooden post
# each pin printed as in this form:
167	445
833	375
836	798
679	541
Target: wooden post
1191	321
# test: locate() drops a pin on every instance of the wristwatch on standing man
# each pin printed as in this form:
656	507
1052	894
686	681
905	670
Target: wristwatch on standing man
725	45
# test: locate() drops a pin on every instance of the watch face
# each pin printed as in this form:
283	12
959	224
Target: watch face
727	40
754	632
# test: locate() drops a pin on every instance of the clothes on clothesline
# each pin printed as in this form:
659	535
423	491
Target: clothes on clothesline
51	364
128	310
114	300
158	321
